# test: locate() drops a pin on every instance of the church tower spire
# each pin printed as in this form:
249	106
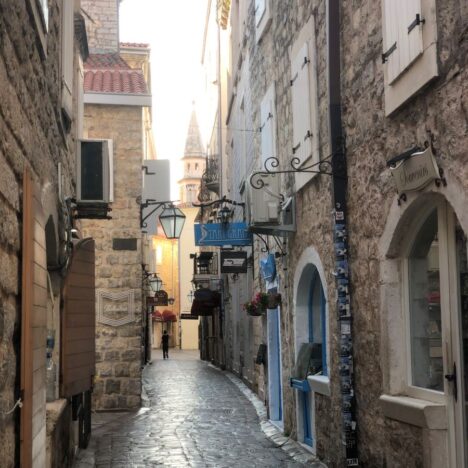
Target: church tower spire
194	162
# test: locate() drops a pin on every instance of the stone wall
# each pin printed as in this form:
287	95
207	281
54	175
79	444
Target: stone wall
33	135
118	272
270	61
439	113
102	24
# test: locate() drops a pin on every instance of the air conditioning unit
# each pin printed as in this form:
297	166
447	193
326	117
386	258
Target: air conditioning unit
265	202
95	179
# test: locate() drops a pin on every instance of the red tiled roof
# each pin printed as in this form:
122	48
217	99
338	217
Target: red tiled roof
140	45
109	61
115	81
109	73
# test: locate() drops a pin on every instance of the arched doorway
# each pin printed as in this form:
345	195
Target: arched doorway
425	320
311	332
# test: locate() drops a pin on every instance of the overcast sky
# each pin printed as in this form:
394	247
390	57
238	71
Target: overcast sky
174	29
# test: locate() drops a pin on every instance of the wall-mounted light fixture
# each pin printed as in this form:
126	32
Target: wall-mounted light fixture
172	219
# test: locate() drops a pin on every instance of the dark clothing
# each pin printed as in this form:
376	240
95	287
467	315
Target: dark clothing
165	346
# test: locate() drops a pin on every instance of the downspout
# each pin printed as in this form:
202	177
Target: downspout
339	186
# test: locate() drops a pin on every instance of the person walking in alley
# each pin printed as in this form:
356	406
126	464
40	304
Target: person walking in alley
165	345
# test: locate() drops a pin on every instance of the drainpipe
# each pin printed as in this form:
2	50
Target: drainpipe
339	185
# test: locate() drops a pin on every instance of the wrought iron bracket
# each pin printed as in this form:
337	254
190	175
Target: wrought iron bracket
324	167
150	202
220	201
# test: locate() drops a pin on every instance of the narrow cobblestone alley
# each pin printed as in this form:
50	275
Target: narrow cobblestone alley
195	417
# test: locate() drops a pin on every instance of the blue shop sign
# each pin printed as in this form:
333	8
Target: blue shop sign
219	234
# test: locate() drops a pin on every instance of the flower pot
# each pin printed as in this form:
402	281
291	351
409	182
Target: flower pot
255	313
274	300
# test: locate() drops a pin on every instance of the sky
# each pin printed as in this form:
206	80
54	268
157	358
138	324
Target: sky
174	30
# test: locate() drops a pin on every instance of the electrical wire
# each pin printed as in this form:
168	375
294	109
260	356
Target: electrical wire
18	404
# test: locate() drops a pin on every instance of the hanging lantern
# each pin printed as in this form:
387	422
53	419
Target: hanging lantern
172	221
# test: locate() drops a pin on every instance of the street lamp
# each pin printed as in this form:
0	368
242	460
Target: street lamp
171	218
155	283
172	221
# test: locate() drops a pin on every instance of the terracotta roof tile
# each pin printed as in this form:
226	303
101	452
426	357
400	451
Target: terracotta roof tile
110	61
109	73
115	81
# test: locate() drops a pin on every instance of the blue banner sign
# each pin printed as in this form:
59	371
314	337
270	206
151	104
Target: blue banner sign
220	234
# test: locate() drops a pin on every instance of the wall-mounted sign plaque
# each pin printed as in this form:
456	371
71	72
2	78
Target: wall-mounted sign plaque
415	172
220	234
233	262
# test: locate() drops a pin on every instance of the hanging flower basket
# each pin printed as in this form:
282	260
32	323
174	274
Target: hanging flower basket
258	305
273	300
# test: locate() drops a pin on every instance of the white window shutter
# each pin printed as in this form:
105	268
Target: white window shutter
260	7
391	43
67	56
267	128
300	86
402	35
410	32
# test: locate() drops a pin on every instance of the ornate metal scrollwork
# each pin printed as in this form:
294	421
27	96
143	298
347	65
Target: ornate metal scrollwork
271	165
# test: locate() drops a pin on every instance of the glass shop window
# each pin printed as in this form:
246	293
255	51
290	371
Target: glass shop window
424	307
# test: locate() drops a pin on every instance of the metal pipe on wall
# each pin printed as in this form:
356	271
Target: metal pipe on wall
339	190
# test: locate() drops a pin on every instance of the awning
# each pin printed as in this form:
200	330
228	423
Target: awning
169	316
165	316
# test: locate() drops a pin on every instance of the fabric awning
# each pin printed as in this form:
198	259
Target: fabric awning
169	316
165	316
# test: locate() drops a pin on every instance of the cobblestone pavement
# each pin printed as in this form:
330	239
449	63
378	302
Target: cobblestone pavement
196	417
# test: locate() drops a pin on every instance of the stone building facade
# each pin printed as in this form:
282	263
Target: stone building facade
116	110
406	281
41	53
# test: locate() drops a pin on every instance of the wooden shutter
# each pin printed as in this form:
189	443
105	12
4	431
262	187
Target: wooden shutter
67	56
79	322
402	37
302	133
267	118
33	328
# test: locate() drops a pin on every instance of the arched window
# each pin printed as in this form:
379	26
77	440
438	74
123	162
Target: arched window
317	321
424	307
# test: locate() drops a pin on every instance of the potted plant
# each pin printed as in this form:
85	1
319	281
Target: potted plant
258	305
273	300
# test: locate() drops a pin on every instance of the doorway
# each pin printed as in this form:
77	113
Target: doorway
275	390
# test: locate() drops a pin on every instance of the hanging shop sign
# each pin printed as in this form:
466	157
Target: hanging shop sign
160	299
233	262
415	172
221	234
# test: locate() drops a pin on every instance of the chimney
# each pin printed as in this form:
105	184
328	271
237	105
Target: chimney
102	25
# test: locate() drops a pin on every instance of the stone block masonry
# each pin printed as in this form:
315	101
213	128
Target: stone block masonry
31	135
118	272
102	25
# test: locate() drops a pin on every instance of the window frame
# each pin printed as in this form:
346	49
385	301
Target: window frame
307	35
421	70
444	272
40	12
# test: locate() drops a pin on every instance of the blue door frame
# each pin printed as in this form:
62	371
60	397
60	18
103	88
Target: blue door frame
308	439
274	366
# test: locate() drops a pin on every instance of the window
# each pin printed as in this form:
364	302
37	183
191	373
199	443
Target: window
67	57
268	126
424	307
409	53
304	101
262	17
317	322
40	12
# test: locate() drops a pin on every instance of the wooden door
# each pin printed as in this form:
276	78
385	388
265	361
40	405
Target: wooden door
33	328
79	322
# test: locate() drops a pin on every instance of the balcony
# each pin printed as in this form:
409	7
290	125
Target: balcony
205	269
210	178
